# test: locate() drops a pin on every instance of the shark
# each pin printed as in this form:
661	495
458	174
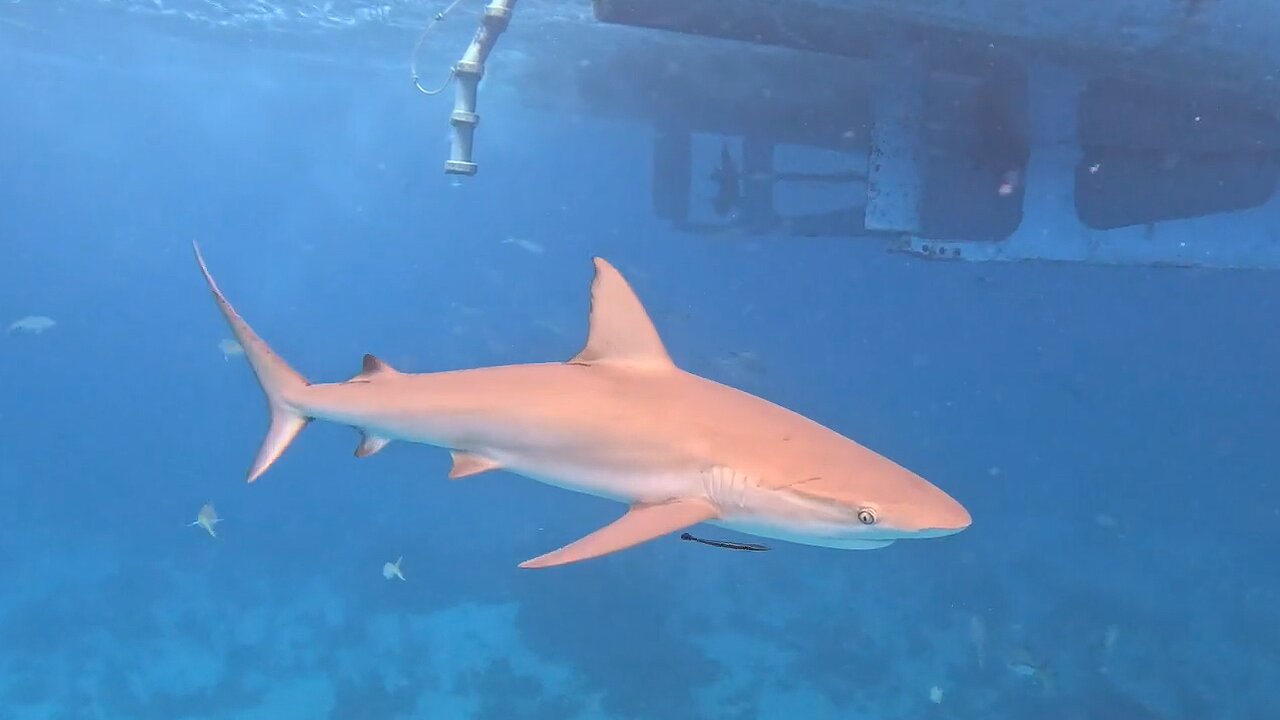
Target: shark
620	421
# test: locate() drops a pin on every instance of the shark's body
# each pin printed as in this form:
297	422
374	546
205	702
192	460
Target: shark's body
621	421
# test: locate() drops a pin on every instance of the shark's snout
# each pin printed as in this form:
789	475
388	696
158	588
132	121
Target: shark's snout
945	517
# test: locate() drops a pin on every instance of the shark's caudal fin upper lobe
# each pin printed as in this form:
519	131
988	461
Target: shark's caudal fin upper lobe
279	381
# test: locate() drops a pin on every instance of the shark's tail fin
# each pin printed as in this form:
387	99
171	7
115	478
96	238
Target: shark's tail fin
280	383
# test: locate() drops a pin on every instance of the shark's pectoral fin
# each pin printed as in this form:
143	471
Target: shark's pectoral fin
641	523
466	464
370	444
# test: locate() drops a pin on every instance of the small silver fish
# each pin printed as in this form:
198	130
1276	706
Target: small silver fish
229	348
1023	664
392	570
34	324
526	245
207	518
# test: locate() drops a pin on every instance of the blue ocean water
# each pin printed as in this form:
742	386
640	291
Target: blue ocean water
1111	429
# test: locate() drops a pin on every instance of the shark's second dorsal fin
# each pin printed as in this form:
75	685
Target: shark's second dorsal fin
372	366
619	330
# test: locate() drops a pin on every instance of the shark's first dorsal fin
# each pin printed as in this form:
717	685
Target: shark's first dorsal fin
619	329
372	366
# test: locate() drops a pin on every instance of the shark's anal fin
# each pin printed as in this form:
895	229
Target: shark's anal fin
466	464
370	444
641	523
619	330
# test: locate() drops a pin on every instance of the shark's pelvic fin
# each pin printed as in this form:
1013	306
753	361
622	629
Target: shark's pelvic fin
371	367
641	523
466	464
619	330
279	381
370	444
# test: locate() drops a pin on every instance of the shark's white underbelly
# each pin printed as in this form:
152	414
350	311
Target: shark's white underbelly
745	506
783	514
832	536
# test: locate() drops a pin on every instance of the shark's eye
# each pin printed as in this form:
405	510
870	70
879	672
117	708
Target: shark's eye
867	516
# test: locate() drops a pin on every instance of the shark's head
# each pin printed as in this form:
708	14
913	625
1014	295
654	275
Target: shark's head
923	511
879	502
